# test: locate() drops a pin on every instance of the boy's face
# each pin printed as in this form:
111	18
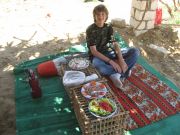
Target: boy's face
100	18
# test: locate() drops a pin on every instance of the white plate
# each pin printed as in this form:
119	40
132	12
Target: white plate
98	107
78	63
93	90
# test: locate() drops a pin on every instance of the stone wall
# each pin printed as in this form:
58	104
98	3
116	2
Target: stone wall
143	13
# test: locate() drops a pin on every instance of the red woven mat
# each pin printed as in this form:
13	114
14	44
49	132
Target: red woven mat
146	97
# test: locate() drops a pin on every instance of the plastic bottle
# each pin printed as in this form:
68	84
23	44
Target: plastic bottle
34	84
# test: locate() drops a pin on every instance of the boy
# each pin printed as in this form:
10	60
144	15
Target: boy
105	52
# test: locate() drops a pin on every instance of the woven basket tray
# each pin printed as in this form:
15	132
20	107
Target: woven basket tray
91	125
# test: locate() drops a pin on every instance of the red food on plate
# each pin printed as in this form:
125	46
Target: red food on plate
102	107
106	106
101	93
102	86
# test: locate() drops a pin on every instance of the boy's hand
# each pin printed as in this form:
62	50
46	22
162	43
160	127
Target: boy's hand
116	66
123	66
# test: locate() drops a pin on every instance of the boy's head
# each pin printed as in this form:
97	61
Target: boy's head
98	9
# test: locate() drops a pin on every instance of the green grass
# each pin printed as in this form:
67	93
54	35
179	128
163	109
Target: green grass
176	16
176	19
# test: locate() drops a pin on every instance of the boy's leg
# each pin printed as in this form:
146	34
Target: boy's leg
130	58
107	70
103	67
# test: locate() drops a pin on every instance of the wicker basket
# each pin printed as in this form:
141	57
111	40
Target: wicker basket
91	125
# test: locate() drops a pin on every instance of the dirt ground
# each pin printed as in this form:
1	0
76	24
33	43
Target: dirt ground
21	48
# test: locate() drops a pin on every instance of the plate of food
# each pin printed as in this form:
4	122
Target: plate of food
102	107
78	63
93	90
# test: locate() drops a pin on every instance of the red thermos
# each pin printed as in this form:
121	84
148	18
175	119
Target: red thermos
158	18
34	84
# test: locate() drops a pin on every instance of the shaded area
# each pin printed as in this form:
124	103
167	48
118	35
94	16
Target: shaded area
49	111
10	56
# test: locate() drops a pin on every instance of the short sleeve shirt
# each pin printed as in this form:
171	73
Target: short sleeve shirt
99	36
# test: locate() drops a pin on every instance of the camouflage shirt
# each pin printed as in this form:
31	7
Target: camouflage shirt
99	36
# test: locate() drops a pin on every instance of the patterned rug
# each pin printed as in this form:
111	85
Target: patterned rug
147	98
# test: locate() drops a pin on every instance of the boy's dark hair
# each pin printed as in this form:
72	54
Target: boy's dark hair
100	8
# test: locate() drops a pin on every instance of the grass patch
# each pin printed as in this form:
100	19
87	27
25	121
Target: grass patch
175	19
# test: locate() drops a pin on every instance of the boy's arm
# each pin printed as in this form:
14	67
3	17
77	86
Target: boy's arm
121	61
98	54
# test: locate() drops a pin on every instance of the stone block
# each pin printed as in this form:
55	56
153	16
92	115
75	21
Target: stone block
118	22
141	5
133	22
136	23
150	15
139	15
133	10
154	5
150	24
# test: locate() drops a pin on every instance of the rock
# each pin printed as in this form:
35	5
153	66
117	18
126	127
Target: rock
118	22
160	49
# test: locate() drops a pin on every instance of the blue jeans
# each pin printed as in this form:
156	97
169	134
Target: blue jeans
130	56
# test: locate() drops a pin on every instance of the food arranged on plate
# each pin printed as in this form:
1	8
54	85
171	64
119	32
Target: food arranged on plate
78	63
93	90
102	107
